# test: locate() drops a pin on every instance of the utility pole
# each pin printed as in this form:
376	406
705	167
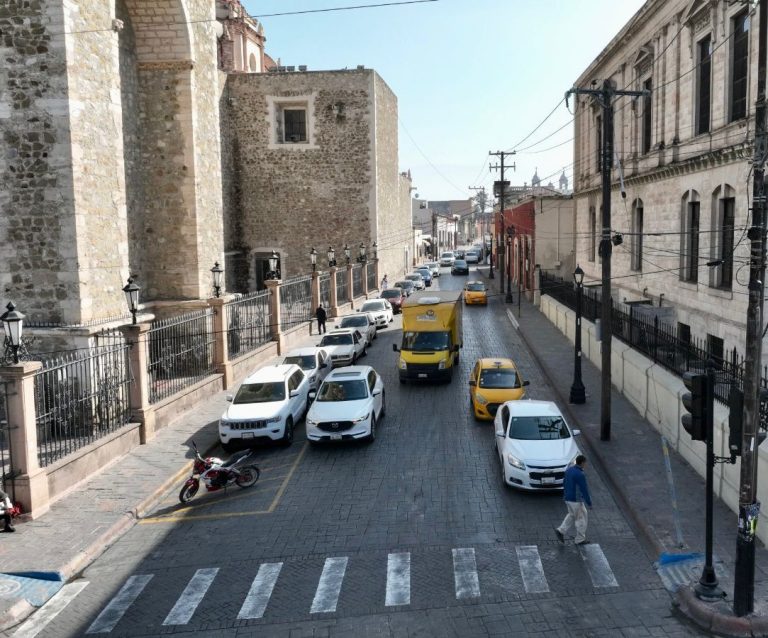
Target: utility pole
749	506
501	246
605	97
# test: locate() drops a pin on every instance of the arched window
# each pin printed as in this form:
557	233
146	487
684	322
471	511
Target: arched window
636	243
690	226
253	65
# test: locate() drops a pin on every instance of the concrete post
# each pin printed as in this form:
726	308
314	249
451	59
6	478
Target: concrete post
220	346
273	285
350	287
31	482
141	410
333	311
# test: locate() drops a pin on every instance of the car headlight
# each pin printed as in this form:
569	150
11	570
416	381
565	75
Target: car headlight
224	423
274	419
441	365
359	419
515	462
309	421
481	399
403	365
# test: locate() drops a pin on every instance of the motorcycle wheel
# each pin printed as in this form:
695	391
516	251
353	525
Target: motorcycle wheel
188	492
248	476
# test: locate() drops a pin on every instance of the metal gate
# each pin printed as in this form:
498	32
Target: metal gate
7	474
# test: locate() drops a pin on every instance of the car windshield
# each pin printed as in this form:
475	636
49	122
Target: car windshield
476	287
426	341
404	284
459	263
446	255
414	277
424	272
346	322
538	428
373	305
343	391
304	361
391	294
499	378
336	340
260	393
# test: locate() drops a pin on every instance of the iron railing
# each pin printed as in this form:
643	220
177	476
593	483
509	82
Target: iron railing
179	353
7	473
296	302
248	322
371	268
80	398
342	286
655	338
357	280
325	289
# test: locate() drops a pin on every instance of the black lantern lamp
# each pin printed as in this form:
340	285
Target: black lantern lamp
313	258
347	253
578	393
13	322
331	257
274	259
217	271
362	249
375	250
131	291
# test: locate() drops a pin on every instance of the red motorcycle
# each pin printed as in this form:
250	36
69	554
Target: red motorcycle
217	474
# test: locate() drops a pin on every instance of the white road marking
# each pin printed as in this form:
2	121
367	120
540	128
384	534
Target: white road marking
261	590
597	565
329	587
50	610
398	579
465	573
531	569
113	612
190	598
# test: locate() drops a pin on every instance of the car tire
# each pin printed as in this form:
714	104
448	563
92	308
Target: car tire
354	359
383	411
288	433
365	351
372	436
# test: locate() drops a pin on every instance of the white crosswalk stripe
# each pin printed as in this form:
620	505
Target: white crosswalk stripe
398	579
50	610
190	598
465	573
261	591
114	611
466	586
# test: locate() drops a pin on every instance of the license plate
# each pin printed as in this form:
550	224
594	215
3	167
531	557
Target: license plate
335	437
547	480
422	375
247	435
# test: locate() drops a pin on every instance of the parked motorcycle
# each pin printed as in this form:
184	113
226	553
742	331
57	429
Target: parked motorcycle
217	474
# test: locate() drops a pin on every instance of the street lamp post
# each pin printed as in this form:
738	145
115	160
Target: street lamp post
375	251
331	257
313	258
490	249
347	253
131	291
217	271
578	394
13	322
362	249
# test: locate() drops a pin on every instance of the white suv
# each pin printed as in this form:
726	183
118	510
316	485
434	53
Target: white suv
447	258
267	405
380	311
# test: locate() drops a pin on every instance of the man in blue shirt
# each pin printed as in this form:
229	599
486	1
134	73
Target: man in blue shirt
577	500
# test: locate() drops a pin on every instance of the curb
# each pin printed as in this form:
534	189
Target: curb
20	610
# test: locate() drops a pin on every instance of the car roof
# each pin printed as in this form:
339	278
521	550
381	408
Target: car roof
533	408
300	352
475	281
344	331
496	362
348	372
355	316
277	372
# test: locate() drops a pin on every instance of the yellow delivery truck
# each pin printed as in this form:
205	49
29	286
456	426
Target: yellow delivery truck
431	336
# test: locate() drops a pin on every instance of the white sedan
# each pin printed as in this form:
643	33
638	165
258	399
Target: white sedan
348	406
534	443
345	346
362	322
380	310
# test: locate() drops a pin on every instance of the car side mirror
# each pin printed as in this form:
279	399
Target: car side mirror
576	432
472	382
230	398
312	395
525	383
395	348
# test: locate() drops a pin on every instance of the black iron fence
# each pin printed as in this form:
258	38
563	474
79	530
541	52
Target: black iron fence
357	280
179	353
655	338
80	398
295	302
7	473
325	289
372	285
248	323
342	286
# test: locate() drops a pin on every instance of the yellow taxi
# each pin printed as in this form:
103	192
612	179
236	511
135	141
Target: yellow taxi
493	382
475	292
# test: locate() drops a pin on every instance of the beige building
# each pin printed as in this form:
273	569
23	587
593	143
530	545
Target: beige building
685	152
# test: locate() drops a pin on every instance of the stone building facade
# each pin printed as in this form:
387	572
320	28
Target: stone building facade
311	161
110	160
241	39
685	152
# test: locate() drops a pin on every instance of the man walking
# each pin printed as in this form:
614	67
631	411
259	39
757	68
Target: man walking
321	316
577	500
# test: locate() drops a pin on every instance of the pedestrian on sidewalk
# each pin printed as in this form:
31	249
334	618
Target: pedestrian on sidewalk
321	319
577	500
384	283
6	507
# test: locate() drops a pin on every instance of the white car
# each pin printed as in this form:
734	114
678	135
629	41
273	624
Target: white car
345	345
348	406
315	362
447	258
380	310
417	279
267	405
472	256
534	443
434	267
363	322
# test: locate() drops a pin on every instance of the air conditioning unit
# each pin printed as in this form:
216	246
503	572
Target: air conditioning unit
291	69
302	67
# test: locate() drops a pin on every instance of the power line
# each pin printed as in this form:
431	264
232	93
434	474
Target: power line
360	6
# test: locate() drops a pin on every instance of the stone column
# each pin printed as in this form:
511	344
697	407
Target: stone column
220	345
141	409
350	286
333	311
31	482
273	285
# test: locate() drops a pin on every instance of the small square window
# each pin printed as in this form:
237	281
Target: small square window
294	125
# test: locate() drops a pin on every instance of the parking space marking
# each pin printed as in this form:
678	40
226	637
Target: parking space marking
465	573
531	569
261	591
190	598
329	587
398	579
114	611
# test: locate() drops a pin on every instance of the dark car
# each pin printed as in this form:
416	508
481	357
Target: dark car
395	297
406	286
427	274
460	267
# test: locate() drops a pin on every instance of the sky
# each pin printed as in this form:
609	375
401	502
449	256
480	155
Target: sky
471	76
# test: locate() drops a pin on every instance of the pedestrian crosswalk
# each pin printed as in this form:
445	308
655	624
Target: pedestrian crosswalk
404	580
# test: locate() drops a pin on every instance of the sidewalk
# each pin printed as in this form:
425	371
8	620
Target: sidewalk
634	468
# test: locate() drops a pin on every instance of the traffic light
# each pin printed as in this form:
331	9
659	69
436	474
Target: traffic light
697	403
736	420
